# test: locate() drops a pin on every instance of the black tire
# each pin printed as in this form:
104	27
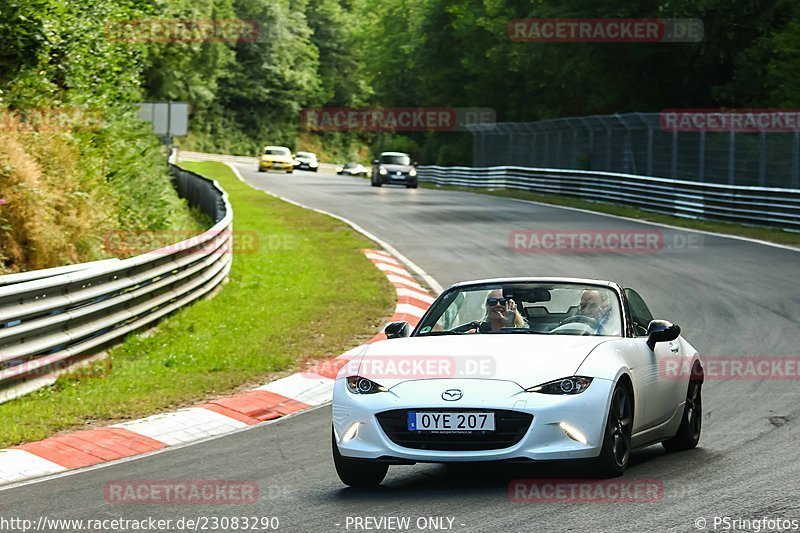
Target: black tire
376	183
616	451
357	472
692	421
411	185
260	169
290	171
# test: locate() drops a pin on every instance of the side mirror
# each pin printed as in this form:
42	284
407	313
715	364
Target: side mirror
661	331
415	163
396	330
375	161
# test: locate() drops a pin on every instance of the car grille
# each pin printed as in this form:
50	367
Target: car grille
510	427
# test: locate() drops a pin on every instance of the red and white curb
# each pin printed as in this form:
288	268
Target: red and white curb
278	398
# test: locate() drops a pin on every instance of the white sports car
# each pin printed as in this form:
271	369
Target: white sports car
518	369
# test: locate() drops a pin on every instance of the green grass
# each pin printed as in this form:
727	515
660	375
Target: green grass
764	233
306	290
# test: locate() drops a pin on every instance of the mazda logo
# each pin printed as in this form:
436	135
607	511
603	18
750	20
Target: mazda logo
451	395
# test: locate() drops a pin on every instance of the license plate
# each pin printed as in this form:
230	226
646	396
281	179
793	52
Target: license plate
450	421
277	165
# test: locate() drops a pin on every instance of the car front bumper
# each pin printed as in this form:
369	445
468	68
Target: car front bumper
544	439
275	165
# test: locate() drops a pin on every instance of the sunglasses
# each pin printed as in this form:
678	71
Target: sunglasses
491	302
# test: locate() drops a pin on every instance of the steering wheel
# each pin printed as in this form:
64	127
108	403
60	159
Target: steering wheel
589	321
463	328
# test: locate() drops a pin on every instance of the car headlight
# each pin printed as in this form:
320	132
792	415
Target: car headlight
314	164
339	169
412	172
570	385
359	385
382	171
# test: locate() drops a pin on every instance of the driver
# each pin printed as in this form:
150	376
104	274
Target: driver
501	312
595	304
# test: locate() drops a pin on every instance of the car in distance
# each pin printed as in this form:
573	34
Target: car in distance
276	158
394	168
519	369
306	161
352	169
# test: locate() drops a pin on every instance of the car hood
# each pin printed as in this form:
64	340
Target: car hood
276	157
527	360
395	168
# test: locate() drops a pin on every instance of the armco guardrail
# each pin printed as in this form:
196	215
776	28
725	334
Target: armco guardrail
62	319
748	205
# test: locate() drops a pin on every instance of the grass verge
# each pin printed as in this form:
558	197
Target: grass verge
305	290
763	233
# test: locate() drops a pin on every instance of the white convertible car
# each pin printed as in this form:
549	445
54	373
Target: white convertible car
518	369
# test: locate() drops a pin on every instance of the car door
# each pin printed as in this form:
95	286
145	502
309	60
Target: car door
661	389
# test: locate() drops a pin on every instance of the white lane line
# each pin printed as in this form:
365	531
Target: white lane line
183	426
657	224
17	465
432	283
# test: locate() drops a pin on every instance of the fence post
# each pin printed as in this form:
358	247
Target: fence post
673	168
649	150
762	158
702	157
796	161
731	157
546	154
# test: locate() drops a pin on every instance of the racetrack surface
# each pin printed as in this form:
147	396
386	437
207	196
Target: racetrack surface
731	297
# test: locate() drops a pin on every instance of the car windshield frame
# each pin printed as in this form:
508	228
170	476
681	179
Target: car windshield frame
395	159
616	319
276	151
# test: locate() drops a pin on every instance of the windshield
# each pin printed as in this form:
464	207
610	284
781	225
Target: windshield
350	165
306	155
545	308
395	160
276	151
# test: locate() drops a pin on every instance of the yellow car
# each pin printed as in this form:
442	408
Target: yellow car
276	158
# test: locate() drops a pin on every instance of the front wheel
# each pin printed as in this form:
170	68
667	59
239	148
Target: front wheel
376	183
411	185
616	451
357	472
689	431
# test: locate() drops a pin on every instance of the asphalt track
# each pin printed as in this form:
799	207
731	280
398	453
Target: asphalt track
732	298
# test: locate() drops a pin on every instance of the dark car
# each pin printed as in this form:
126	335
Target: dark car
394	168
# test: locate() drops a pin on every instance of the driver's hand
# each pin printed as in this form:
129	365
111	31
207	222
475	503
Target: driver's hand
511	312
